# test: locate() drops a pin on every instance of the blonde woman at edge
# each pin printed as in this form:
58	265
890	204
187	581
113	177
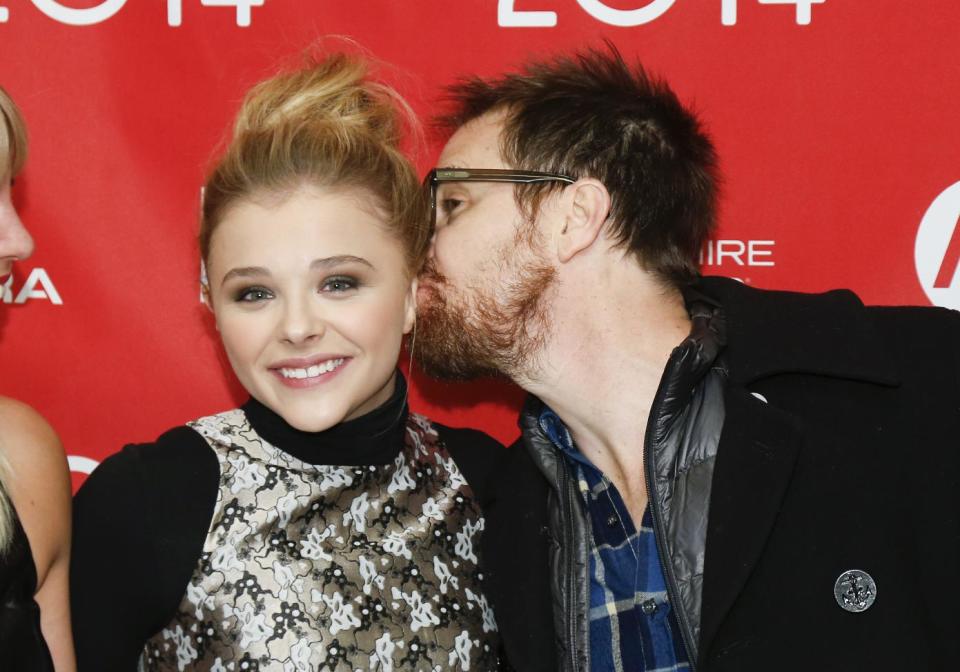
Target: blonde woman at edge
321	525
34	481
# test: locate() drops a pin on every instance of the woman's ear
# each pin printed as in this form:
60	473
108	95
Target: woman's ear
410	307
207	300
205	297
586	207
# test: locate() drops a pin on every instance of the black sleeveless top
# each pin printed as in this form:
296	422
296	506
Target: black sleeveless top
22	647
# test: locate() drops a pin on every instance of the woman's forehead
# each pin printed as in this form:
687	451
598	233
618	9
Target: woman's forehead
302	228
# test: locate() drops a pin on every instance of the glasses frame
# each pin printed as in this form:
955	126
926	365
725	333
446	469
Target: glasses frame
438	176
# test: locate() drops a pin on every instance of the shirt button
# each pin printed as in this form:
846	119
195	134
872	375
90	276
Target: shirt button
611	520
649	606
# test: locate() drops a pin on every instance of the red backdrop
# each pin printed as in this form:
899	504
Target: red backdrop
836	121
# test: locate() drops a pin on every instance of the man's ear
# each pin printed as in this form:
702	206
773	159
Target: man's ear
410	307
586	204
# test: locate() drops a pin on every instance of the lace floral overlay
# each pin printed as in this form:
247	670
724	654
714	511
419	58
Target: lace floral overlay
315	567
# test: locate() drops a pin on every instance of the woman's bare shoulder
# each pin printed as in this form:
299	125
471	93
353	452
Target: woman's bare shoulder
38	481
23	430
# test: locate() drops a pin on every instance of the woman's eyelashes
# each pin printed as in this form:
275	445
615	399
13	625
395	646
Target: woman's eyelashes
340	284
252	294
337	285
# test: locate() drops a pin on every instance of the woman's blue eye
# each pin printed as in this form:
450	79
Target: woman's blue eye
254	294
339	284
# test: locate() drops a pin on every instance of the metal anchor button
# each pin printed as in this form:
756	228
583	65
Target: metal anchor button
855	591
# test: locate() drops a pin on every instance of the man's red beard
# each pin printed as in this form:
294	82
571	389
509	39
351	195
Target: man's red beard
460	339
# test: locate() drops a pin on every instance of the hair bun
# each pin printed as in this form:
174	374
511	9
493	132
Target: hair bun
327	124
331	95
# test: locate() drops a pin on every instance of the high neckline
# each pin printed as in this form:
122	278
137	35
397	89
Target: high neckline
373	438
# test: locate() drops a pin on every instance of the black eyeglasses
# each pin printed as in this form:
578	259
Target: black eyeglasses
440	175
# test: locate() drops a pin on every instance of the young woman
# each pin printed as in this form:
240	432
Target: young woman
321	526
34	481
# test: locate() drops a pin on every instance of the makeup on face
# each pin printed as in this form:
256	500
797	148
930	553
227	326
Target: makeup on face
312	297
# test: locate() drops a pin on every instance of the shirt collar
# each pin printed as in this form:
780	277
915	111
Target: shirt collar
551	425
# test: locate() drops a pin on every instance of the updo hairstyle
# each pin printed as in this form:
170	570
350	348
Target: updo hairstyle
328	125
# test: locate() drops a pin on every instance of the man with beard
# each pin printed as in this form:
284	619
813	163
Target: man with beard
710	476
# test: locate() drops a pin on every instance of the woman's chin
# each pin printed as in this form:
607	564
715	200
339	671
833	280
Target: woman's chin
310	420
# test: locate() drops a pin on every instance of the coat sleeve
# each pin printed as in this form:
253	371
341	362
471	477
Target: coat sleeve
478	456
139	521
955	350
954	340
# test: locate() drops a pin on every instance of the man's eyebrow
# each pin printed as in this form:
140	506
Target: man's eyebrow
322	263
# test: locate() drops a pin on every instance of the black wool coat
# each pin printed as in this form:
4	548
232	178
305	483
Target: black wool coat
840	451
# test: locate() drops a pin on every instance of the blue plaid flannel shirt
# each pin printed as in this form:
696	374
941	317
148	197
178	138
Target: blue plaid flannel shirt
632	626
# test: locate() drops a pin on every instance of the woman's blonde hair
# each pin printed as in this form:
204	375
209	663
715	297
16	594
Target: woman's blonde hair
13	154
13	137
328	124
6	507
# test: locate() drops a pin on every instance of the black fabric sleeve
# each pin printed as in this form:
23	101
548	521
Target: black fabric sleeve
954	316
140	521
477	455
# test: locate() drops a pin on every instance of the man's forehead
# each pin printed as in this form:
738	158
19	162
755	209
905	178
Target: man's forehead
476	144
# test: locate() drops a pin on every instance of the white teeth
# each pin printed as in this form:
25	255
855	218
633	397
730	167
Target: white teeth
313	371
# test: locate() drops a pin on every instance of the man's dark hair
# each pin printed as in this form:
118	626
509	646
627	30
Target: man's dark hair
592	115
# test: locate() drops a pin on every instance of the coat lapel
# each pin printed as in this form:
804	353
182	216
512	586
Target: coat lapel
758	448
772	333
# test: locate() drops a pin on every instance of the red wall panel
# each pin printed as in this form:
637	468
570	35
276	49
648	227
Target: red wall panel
835	120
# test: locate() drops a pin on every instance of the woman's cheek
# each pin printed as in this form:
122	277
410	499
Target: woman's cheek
378	323
242	333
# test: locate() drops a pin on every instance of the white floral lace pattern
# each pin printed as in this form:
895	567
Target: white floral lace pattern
315	567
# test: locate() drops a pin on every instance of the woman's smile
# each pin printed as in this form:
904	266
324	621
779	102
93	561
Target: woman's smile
309	372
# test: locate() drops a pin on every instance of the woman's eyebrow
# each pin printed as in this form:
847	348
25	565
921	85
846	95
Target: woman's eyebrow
327	262
245	272
324	262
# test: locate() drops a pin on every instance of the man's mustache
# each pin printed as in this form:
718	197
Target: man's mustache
430	274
